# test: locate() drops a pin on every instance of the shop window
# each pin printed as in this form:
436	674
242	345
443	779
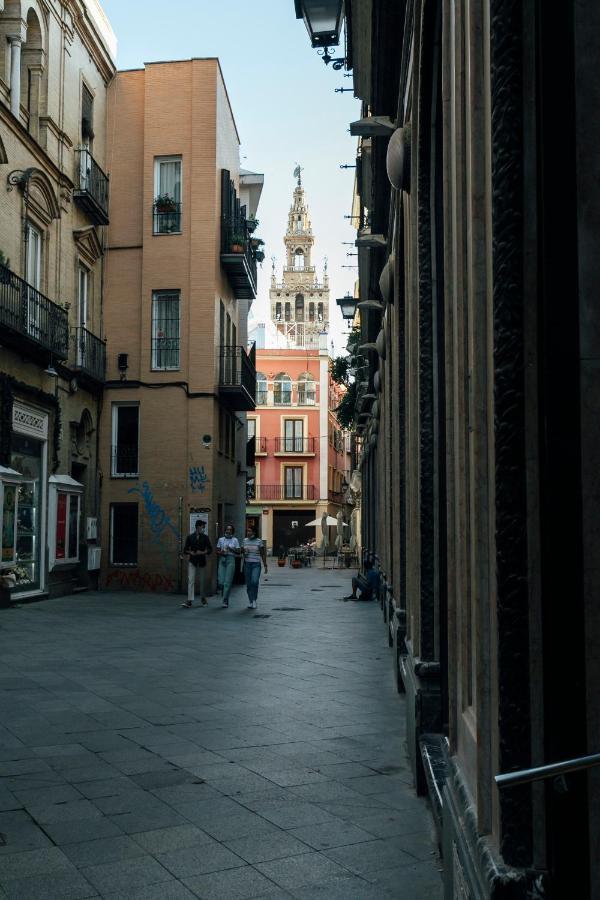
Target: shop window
125	440
124	534
27	458
9	495
67	527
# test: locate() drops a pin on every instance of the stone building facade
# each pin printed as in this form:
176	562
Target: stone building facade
180	275
478	425
56	62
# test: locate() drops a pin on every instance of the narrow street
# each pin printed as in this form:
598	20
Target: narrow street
148	751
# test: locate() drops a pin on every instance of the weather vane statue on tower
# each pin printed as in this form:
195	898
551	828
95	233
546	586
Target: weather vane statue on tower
298	173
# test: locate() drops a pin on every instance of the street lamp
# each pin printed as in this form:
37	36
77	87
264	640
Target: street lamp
323	20
347	305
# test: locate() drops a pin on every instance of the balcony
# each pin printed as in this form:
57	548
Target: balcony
166	217
90	356
274	492
295	445
261	446
31	322
237	258
91	188
237	377
336	497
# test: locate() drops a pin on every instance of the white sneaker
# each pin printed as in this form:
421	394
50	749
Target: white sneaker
254	605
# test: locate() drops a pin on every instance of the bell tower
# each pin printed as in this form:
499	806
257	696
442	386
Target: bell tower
299	302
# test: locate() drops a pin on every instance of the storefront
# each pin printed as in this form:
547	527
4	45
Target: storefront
23	498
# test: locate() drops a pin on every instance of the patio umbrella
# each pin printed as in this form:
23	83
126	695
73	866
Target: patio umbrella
340	530
329	521
353	529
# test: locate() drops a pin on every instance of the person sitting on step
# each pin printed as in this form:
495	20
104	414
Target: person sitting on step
368	584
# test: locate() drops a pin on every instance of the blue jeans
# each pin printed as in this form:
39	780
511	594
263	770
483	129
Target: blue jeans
226	573
252	574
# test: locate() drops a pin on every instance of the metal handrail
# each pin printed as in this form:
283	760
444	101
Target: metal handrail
551	770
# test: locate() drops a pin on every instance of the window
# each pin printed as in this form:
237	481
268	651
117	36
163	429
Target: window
293	483
299	259
311	312
278	312
87	115
33	276
293	436
167	194
261	389
165	330
123	534
299	308
67	527
282	393
9	494
251	429
320	312
288	312
125	439
83	287
307	394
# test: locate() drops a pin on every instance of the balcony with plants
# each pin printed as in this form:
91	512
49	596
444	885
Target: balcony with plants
31	323
166	215
91	187
239	248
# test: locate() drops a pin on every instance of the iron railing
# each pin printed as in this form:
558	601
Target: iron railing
237	375
27	312
294	445
90	354
124	460
238	257
336	496
284	492
550	770
165	353
261	445
91	187
306	398
166	218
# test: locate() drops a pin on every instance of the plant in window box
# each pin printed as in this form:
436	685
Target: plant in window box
259	255
252	224
237	243
256	243
165	204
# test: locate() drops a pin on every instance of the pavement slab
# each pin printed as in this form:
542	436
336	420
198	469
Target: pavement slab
150	755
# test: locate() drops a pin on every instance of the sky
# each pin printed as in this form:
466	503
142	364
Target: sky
286	110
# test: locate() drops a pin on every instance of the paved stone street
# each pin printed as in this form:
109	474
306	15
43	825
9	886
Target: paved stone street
148	751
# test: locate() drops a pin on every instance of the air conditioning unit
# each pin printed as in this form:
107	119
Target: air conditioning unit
94	558
91	529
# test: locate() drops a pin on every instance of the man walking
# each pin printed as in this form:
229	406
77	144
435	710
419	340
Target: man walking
197	547
254	551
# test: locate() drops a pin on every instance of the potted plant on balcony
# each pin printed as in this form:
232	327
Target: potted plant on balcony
237	243
165	204
256	243
251	224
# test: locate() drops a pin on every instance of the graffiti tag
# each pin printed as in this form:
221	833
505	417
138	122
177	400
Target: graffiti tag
160	522
198	478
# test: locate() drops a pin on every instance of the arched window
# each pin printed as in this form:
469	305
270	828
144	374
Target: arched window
299	224
282	390
320	312
307	394
299	308
288	312
311	312
299	258
261	389
32	57
278	312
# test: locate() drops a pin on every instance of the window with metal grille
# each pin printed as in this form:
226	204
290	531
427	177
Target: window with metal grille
165	330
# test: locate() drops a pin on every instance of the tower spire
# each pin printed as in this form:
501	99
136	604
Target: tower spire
299	303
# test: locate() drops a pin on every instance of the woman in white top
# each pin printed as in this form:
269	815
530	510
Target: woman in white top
228	547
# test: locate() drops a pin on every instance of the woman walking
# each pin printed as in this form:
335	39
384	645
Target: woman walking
228	547
254	550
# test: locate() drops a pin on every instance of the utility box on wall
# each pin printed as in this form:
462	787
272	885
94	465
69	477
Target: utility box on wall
94	554
91	529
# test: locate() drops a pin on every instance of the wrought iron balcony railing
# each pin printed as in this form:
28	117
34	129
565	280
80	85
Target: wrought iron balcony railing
294	445
29	319
91	187
261	445
124	461
166	217
336	496
237	377
237	258
90	355
284	492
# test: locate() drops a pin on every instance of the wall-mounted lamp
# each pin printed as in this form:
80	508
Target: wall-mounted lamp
347	305
323	20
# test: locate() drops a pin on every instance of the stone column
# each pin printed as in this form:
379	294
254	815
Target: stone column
35	92
15	74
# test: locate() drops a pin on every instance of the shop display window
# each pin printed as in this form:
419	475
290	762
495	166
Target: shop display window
27	460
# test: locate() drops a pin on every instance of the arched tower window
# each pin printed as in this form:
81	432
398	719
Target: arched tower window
299	308
320	312
278	311
288	312
32	56
298	258
311	312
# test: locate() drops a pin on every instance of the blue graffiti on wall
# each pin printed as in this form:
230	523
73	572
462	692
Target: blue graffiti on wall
159	520
198	478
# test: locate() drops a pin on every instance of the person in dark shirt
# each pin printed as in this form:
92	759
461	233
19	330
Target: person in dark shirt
197	547
367	584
